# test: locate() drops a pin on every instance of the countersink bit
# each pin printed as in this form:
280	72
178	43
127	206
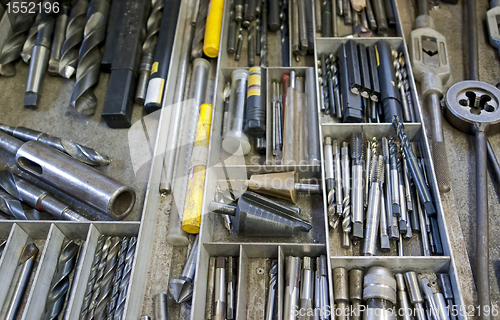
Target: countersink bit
60	282
125	281
88	309
182	289
82	97
273	281
59	36
148	49
81	153
358	158
341	292
107	284
115	293
74	36
40	58
346	203
199	33
94	271
31	39
13	45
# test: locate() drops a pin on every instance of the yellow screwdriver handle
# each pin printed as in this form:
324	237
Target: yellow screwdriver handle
191	219
213	28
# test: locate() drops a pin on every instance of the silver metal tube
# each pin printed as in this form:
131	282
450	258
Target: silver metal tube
291	287
312	117
338	177
379	293
306	288
74	178
220	289
329	172
416	298
160	306
346	204
442	307
357	201
302	26
373	213
367	180
385	244
403	302
403	217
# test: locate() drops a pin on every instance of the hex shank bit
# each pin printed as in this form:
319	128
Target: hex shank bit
81	153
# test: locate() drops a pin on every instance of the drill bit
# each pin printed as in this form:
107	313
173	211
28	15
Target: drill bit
148	49
59	36
2	248
394	177
368	171
273	280
82	97
60	282
88	308
199	34
263	35
73	39
251	43
346	203
107	279
12	207
403	217
73	149
338	179
124	282
118	275
358	156
30	39
330	182
13	45
96	263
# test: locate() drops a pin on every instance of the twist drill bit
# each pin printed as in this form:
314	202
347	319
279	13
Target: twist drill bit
73	39
36	197
394	177
251	43
330	181
124	282
400	85
88	309
12	207
346	203
82	97
73	149
2	248
358	157
148	49
118	275
403	217
273	280
59	36
96	263
30	39
199	33
60	282
107	279
406	83
13	45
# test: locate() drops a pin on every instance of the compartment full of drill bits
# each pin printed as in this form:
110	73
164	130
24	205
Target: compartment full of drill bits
359	18
378	195
377	292
364	81
222	287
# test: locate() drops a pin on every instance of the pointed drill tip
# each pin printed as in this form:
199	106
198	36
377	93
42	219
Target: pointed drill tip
30	251
180	289
86	103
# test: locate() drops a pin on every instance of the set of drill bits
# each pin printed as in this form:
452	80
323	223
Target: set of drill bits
109	278
255	18
365	84
375	196
356	295
222	288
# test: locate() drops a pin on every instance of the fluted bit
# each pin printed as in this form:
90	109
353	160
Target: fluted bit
273	274
199	34
92	276
60	282
124	282
96	282
31	39
333	220
373	162
357	151
73	39
82	97
13	46
148	49
107	279
118	275
379	172
81	153
11	206
2	248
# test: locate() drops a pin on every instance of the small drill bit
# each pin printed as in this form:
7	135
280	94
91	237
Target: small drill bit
73	149
199	34
330	182
60	282
394	177
346	203
107	279
118	275
338	179
148	49
30	39
124	282
74	37
273	280
368	167
88	309
96	263
82	97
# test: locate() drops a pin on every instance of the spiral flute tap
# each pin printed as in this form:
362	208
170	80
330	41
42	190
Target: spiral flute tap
74	36
92	277
81	153
273	281
393	151
125	280
106	284
358	157
82	97
373	212
88	309
14	43
60	282
148	49
118	275
30	40
346	202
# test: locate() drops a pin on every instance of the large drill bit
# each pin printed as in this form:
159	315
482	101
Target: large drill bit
124	282
74	37
30	39
73	149
59	36
199	34
83	98
13	45
88	309
118	275
107	279
12	206
148	49
60	282
96	263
